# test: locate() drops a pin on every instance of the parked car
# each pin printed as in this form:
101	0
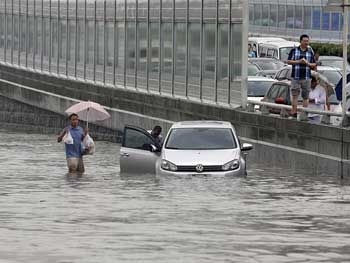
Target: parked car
267	63
338	108
268	67
257	41
258	86
332	61
253	69
333	75
189	148
280	93
277	50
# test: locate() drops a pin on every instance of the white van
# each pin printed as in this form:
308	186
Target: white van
257	41
278	50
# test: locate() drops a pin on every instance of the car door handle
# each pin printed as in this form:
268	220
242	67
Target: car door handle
124	155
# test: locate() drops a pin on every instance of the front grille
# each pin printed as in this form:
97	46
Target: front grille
206	168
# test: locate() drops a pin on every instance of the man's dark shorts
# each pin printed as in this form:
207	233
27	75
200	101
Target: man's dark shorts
304	85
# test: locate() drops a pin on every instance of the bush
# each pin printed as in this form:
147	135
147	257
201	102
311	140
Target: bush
329	49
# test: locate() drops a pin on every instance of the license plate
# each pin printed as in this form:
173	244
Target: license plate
200	174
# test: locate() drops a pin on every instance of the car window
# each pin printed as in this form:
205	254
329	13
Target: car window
270	52
200	139
273	92
136	139
284	74
252	69
281	74
263	52
258	88
284	53
278	74
275	54
283	92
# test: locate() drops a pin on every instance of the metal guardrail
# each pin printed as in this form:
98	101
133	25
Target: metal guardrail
325	114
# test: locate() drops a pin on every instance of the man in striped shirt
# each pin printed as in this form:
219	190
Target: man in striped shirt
302	59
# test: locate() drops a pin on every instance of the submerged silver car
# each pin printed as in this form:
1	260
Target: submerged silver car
189	148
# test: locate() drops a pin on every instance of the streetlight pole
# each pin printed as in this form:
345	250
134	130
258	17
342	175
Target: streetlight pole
345	52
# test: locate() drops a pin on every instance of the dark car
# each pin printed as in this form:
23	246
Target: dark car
279	92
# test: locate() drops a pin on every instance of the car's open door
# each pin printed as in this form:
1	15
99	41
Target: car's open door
138	154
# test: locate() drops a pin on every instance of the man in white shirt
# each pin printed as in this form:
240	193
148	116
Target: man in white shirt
317	100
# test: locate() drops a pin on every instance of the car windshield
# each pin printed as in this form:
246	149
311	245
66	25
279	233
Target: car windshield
200	139
332	63
252	69
270	64
332	76
258	88
284	53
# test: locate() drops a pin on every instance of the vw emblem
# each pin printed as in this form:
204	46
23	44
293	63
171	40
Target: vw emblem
199	168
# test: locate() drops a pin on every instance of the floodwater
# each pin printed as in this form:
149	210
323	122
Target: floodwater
273	215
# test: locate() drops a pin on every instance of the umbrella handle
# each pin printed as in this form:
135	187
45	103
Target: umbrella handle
87	118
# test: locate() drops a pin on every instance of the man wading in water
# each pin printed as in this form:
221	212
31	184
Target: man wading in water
74	151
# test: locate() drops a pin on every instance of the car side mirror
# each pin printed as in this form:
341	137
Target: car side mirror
246	147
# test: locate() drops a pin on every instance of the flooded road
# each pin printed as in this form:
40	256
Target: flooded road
273	215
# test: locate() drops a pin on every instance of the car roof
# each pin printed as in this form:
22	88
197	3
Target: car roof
260	40
326	68
264	39
320	68
329	58
203	124
267	59
281	44
260	78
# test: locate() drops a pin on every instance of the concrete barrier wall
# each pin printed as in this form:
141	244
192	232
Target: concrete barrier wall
18	116
146	109
44	111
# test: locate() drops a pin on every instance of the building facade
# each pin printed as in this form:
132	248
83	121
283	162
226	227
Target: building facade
189	49
291	18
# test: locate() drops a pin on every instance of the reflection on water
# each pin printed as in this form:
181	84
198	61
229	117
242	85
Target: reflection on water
273	215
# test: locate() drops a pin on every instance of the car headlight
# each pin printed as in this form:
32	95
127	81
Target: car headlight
166	165
231	165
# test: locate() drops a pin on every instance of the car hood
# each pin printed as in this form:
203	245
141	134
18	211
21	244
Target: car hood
205	157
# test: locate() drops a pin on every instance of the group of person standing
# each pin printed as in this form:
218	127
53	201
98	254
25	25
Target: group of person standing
303	60
252	53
